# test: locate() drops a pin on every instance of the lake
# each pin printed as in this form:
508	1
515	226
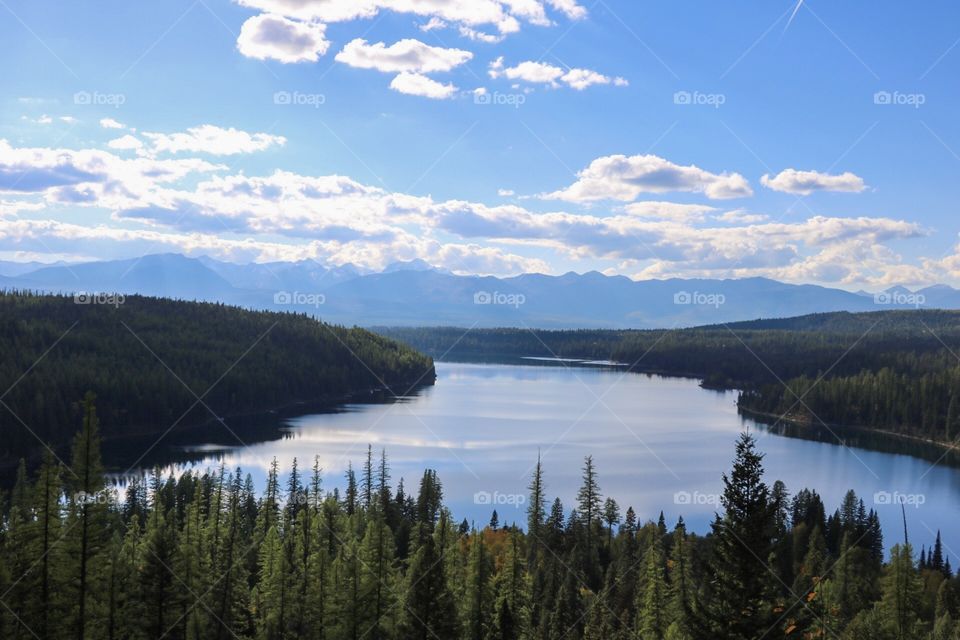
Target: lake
658	444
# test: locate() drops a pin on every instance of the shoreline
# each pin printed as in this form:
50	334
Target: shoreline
763	417
278	412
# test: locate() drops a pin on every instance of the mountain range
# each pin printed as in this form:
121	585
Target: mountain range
414	293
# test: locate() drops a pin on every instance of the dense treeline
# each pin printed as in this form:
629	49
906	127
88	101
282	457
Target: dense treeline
156	364
894	370
202	557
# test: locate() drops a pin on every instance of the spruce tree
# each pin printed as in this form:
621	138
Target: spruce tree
87	532
652	618
740	605
430	611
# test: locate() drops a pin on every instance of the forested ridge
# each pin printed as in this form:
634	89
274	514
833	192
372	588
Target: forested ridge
204	556
155	364
897	371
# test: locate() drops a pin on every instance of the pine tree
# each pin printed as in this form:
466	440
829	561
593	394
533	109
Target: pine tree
589	512
511	589
536	512
565	618
192	567
611	515
902	594
86	534
478	603
652	618
740	605
159	588
20	555
429	610
366	481
379	579
350	497
936	556
269	594
680	607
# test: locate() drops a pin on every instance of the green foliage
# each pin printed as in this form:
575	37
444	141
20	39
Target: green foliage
237	361
200	557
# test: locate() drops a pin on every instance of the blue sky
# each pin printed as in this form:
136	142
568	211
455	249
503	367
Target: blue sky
488	136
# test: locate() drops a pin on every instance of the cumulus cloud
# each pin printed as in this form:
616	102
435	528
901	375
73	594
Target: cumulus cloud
110	123
408	55
504	15
544	73
13	207
274	37
416	84
126	143
669	211
193	206
625	178
806	182
214	140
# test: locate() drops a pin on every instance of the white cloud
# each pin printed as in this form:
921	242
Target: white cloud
190	205
126	143
479	36
110	123
740	216
506	193
669	211
433	24
806	182
13	207
416	84
573	10
504	15
408	55
212	139
623	178
539	72
544	73
275	37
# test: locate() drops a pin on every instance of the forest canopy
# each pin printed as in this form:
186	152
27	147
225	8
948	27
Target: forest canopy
156	364
893	370
206	556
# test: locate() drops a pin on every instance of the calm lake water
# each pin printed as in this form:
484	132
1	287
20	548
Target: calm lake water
658	443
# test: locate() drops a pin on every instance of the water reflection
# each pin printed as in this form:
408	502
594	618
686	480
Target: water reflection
658	443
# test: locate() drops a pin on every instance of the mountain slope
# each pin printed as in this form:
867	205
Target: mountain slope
413	294
158	364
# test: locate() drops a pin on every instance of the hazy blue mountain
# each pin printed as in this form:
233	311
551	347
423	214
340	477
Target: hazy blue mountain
414	293
14	269
167	275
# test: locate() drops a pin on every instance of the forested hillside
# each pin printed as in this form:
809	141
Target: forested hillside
157	364
893	370
203	557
